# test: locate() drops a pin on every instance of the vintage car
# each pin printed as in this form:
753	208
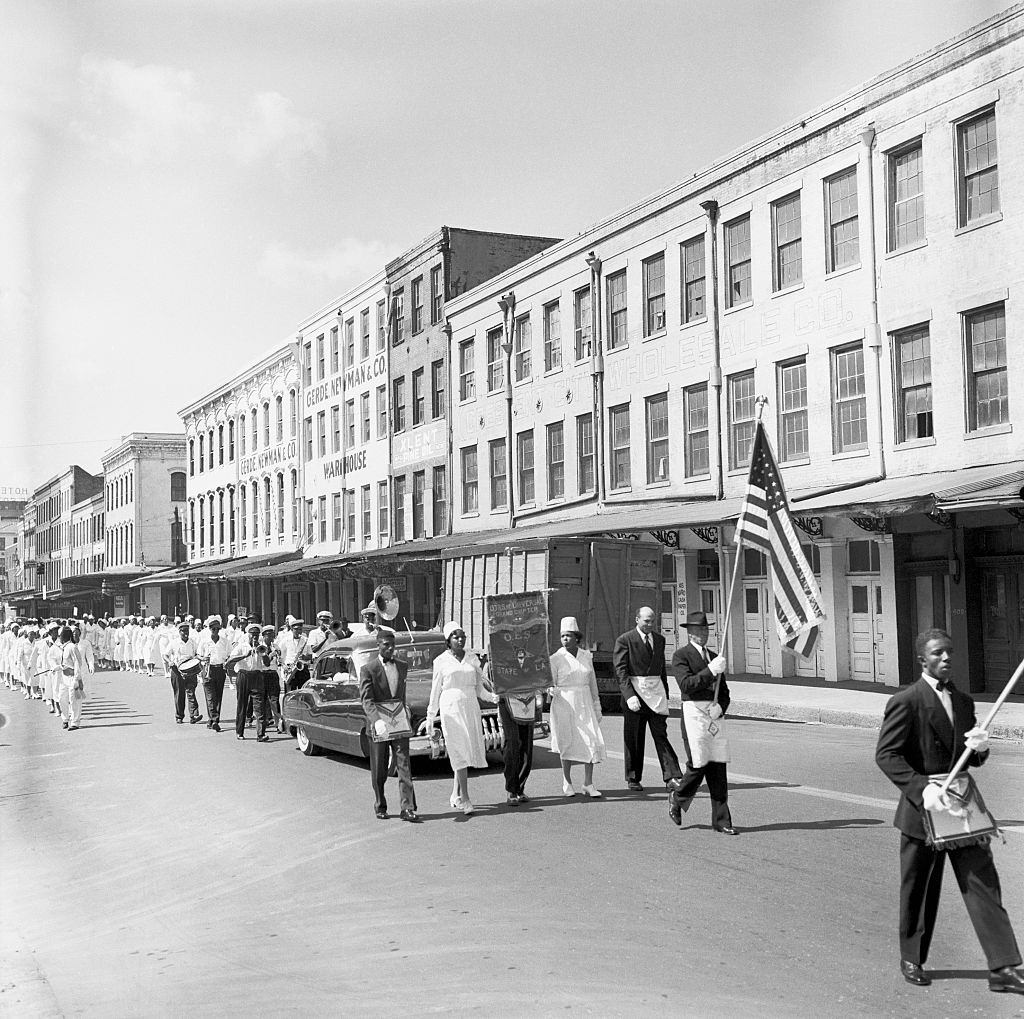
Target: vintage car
326	711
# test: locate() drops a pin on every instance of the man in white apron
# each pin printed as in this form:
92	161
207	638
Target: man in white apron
705	700
639	662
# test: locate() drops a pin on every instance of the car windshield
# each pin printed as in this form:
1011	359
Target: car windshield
331	665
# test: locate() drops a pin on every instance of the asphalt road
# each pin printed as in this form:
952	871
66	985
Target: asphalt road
156	869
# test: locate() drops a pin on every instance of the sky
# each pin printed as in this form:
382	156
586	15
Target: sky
182	183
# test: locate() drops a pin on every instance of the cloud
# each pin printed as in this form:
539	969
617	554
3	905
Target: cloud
139	112
346	263
272	129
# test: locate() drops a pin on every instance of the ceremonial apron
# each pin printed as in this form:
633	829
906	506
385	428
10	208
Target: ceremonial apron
523	709
651	690
706	736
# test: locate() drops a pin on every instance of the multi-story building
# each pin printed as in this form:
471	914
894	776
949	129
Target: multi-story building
11	513
88	535
851	268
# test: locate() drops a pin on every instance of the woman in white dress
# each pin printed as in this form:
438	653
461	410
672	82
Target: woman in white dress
154	646
457	689
575	709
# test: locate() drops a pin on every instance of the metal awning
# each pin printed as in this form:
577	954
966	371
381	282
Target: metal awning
998	492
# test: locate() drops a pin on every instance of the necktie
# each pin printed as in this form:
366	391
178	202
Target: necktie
706	656
647	641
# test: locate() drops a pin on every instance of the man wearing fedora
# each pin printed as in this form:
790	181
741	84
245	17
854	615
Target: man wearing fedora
705	700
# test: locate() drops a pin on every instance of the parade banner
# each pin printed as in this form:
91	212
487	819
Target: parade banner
517	647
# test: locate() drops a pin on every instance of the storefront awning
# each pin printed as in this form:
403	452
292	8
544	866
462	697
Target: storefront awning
92	583
1001	491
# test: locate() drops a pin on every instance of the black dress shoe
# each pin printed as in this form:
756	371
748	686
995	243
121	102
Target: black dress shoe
180	721
238	735
726	829
523	798
635	787
675	813
215	727
914	974
673	785
382	815
192	721
512	800
410	815
1009	978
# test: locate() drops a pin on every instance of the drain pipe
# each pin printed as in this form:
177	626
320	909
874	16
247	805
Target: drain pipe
597	374
710	207
507	303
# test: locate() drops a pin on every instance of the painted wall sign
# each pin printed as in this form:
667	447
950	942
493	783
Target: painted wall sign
341	466
268	457
419	444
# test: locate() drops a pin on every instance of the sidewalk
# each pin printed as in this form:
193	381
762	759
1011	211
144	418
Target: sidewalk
854	704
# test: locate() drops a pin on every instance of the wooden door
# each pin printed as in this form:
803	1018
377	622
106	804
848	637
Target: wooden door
868	659
756	632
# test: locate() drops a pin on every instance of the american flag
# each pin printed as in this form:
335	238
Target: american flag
765	523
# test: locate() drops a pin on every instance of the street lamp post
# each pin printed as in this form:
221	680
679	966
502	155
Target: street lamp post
507	303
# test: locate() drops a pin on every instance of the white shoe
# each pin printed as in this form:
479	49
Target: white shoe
567	788
455	801
467	807
592	792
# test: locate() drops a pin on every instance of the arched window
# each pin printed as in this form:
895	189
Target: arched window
267	518
255	511
201	457
202	523
255	430
279	418
177	486
192	528
231	440
220	516
294	501
191	458
220	444
211	449
241	511
266	425
213	516
231	515
280	503
293	413
241	435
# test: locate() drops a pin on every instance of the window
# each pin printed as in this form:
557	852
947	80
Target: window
293	413
294	501
364	334
792	383
322	516
241	435
691	260
987	399
307	365
364	416
381	326
913	373
552	337
417	304
383	513
495	361
321	433
618	432
741	419
419	399
398	409
366	513
202	452
656	413
843	241
737	261
350	516
616	288
440	490
350	343
279	418
177	486
654	294
231	515
350	424
419	484
334	350
255	512
398	302
231	440
555	442
787	243
220	444
583	324
467	376
382	412
436	294
696	448
320	362
522	349
400	486
470	490
977	168
308	436
863	556
336	516
202	523
437	390
266	427
191	461
255	429
497	457
906	196
524	457
585	453
849	402
280	505
220	517
267	519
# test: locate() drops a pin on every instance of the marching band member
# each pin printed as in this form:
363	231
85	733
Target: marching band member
180	651
296	654
214	651
272	678
320	636
252	661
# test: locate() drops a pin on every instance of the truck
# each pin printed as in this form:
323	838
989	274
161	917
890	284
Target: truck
603	582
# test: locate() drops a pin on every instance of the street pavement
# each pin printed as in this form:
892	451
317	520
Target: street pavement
154	869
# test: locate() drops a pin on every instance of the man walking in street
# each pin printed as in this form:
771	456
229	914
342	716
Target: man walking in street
924	730
214	650
639	662
184	687
72	680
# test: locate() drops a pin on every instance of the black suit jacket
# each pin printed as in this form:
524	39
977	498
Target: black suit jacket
917	740
630	657
696	681
373	686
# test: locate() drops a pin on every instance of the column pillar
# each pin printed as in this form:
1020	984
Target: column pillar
889	642
835	634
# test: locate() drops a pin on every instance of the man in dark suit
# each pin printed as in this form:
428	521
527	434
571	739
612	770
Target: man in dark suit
639	662
383	679
705	700
923	730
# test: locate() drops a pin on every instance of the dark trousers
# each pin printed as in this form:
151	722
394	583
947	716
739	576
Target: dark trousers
251	684
716	774
379	757
183	689
920	885
273	704
297	679
213	690
518	750
634	731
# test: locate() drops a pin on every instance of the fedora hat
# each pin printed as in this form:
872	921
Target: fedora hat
696	619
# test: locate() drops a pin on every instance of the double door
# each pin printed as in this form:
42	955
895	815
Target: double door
868	652
757	623
1002	622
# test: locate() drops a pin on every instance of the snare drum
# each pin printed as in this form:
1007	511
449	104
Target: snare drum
190	668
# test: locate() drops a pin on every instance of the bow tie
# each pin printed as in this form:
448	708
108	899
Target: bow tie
942	684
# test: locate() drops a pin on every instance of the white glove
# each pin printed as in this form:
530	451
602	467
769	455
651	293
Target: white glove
380	728
715	711
934	798
633	703
717	665
977	740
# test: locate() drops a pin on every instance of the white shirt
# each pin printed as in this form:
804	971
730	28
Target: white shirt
391	671
943	695
702	649
180	650
217	651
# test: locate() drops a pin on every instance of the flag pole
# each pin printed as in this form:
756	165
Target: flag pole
759	402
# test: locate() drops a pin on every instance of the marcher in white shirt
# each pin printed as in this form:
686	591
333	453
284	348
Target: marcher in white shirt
182	650
295	655
72	679
214	650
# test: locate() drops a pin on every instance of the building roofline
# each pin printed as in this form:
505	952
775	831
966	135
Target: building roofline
272	355
376	279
